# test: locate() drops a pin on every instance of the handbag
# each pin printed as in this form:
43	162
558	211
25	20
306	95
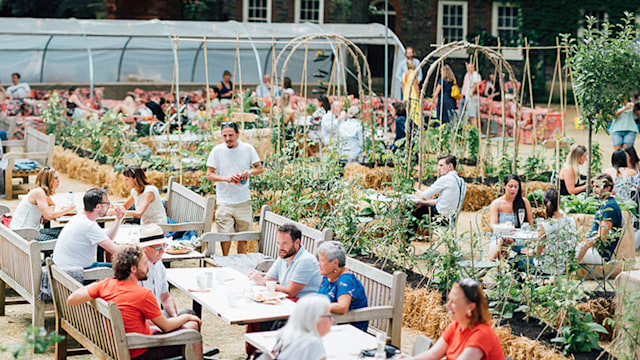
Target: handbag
455	91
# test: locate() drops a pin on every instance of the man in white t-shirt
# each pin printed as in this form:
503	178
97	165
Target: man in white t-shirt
229	165
470	92
18	90
79	239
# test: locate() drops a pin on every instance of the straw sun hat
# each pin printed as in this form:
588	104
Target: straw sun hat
152	234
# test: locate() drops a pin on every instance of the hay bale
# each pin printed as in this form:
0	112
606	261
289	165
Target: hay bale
423	311
369	178
532	186
521	347
600	309
478	196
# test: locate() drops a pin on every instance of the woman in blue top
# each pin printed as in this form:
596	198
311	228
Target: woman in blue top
342	287
445	103
623	128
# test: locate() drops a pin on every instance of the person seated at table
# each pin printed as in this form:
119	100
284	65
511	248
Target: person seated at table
19	90
146	198
569	174
329	123
137	304
398	110
288	112
79	239
129	105
322	101
37	205
296	270
76	108
301	338
351	140
343	289
225	87
469	336
625	180
557	237
505	209
264	89
604	235
213	98
288	89
448	187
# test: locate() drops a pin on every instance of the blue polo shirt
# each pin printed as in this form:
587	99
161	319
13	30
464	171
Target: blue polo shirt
302	270
608	211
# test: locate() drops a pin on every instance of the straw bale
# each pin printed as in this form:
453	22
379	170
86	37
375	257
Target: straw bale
156	178
478	196
147	141
369	178
600	309
532	186
423	311
522	347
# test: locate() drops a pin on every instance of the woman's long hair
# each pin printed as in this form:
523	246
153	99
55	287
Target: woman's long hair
136	173
573	160
550	201
633	156
45	179
619	160
518	201
447	73
303	320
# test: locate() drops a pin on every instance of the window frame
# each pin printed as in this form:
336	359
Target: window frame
245	11
465	18
298	10
494	16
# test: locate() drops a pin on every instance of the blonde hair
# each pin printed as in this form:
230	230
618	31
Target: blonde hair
573	160
45	179
447	74
410	64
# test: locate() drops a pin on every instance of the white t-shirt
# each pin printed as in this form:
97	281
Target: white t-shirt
156	280
228	162
19	91
351	140
328	127
469	82
308	347
155	213
78	241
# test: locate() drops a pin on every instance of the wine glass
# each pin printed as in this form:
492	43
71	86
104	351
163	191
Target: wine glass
521	213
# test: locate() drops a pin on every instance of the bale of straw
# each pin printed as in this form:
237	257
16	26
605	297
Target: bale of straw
531	186
369	178
423	311
478	196
522	347
600	309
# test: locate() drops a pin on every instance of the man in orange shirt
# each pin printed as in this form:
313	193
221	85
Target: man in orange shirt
137	304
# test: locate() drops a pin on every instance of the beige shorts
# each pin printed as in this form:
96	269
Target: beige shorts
234	218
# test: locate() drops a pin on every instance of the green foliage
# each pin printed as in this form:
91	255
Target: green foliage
532	166
605	67
209	10
36	341
627	326
589	204
581	332
596	158
535	198
472	142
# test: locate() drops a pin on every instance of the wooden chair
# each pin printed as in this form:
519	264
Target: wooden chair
37	146
98	325
385	296
190	210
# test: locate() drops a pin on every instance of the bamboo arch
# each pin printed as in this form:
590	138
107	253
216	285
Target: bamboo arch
356	55
498	61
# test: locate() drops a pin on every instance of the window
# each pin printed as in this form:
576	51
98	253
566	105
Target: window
452	21
504	22
309	11
256	10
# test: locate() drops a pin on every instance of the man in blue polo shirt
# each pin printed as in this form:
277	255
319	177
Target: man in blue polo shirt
296	271
605	231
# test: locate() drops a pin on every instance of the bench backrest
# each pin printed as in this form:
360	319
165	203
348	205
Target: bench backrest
382	290
269	223
21	269
35	141
96	324
184	205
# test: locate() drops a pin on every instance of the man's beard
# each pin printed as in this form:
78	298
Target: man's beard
140	275
289	254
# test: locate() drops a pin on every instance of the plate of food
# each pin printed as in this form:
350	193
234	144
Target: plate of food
269	297
177	249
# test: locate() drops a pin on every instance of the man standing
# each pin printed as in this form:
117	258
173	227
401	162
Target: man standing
137	303
80	238
296	271
470	92
264	90
18	90
402	68
605	231
230	165
449	187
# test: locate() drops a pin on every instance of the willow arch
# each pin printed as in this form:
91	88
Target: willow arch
498	61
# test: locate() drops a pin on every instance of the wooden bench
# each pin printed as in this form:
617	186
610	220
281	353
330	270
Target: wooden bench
267	236
21	269
385	296
190	210
37	146
98	326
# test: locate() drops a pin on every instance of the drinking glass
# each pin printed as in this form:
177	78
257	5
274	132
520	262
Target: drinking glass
521	213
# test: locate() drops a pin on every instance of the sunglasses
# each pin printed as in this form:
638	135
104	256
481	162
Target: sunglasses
468	285
228	124
105	202
160	247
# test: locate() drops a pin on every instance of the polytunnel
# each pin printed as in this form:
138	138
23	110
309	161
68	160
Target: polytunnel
113	51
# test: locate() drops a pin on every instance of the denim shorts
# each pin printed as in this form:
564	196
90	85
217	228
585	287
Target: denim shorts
623	137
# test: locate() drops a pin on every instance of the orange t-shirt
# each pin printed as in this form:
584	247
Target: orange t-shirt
481	336
136	303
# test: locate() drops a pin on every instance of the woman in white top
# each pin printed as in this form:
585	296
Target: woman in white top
310	320
37	205
146	197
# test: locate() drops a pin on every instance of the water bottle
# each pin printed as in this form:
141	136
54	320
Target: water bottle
382	342
69	199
